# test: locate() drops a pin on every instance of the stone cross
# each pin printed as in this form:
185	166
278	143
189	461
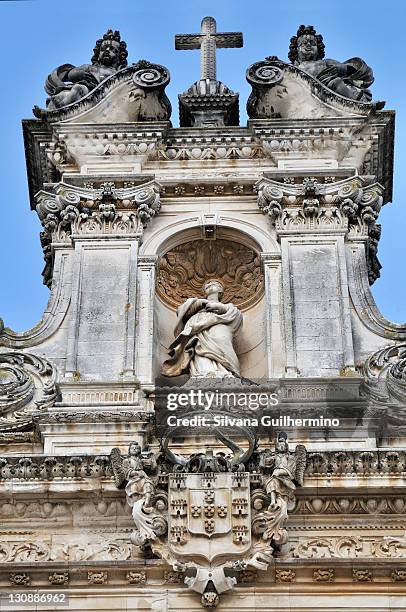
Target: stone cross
208	41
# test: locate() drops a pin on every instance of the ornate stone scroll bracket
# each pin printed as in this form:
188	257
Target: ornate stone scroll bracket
351	205
71	211
27	387
385	382
190	510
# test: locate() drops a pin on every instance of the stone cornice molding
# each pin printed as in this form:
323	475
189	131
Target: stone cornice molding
379	463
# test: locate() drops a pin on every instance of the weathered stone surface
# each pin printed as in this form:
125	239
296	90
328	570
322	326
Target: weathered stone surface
136	217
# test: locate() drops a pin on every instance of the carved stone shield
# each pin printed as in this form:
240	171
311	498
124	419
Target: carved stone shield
208	514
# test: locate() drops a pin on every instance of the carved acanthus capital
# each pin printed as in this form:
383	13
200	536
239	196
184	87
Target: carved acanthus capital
385	382
70	211
351	205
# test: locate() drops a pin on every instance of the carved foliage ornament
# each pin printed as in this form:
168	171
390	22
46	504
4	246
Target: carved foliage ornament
184	269
27	386
348	204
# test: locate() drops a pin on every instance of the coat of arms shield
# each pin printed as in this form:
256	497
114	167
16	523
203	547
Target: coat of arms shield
209	513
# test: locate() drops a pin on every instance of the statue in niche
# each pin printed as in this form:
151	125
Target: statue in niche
204	337
350	79
68	83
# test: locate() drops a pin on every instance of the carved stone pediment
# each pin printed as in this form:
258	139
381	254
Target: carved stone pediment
281	90
135	93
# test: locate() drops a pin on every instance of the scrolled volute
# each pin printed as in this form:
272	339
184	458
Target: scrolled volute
385	376
27	387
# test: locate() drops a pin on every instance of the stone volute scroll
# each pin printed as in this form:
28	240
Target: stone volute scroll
278	87
74	89
27	389
204	336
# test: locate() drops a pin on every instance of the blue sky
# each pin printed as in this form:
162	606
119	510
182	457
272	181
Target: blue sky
38	35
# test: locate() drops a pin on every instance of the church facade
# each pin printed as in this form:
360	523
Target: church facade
211	411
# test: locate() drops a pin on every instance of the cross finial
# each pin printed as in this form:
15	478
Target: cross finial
208	41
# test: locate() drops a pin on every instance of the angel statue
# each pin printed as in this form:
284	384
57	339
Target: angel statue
204	337
287	469
283	471
131	472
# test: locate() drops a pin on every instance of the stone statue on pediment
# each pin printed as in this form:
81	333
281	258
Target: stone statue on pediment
350	79
68	83
204	337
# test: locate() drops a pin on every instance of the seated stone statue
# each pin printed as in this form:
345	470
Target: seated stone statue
350	79
68	83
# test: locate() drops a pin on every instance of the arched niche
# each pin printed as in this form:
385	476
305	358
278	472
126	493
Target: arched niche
186	261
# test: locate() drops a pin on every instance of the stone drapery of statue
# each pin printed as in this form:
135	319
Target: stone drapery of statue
282	472
286	469
350	79
68	83
204	337
131	472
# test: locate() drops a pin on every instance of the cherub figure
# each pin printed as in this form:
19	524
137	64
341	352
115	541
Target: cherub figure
68	83
350	79
131	472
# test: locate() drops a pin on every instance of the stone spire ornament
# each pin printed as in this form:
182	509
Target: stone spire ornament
208	101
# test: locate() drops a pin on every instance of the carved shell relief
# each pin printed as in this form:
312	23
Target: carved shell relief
184	269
